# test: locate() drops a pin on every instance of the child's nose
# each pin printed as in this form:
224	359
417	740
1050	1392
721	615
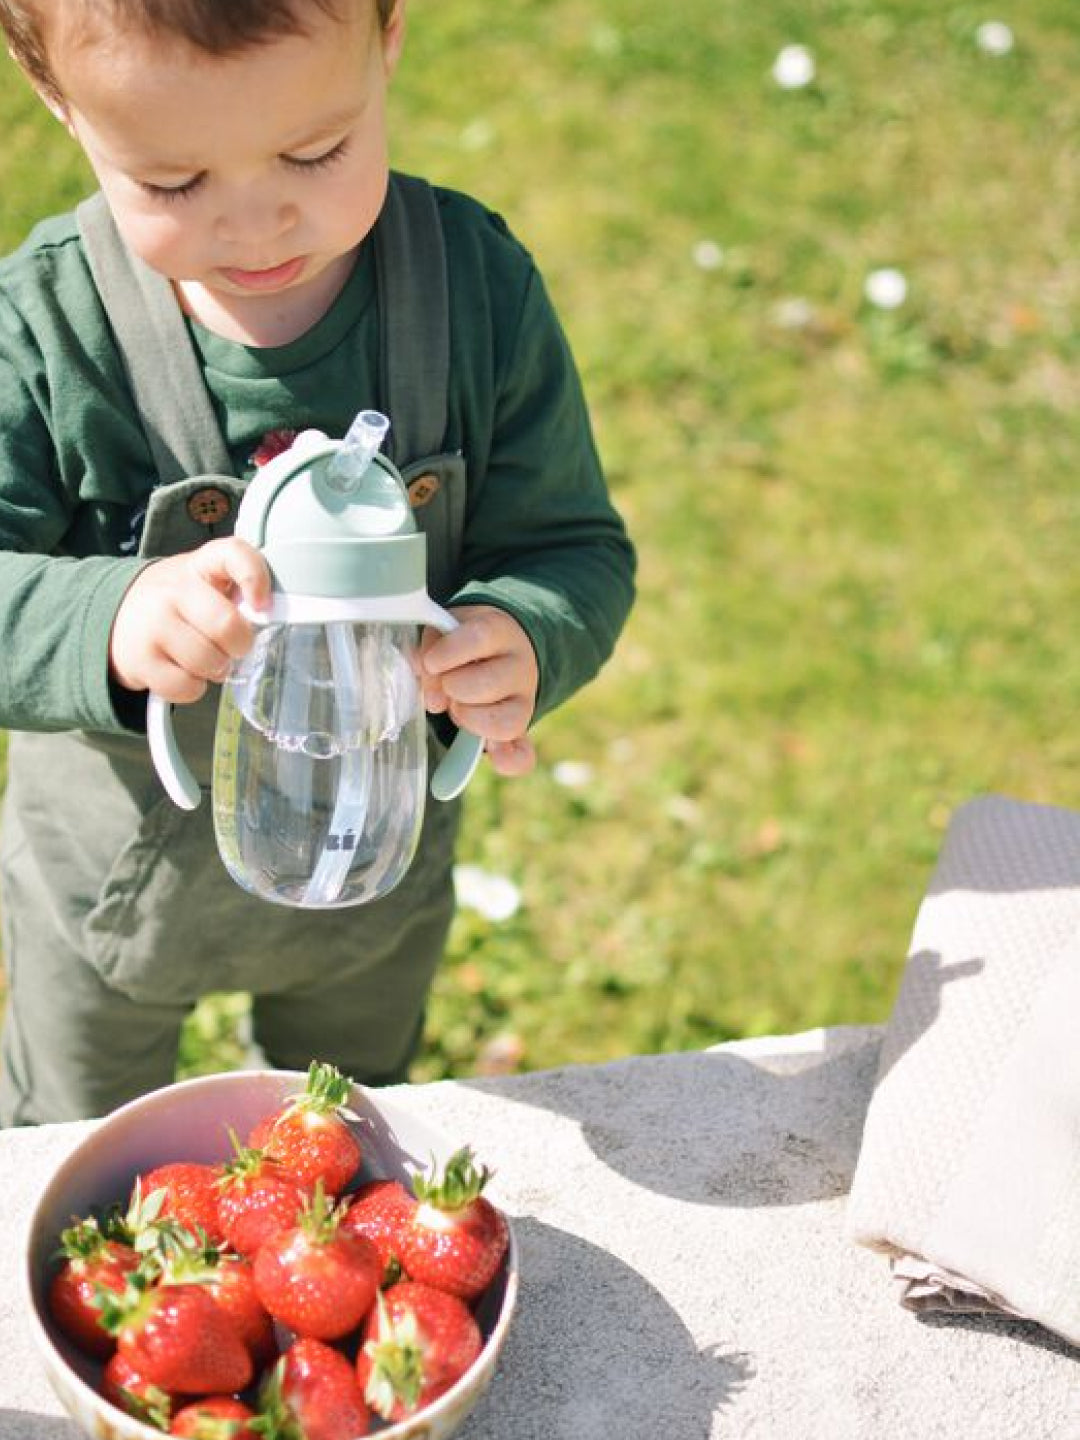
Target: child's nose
255	221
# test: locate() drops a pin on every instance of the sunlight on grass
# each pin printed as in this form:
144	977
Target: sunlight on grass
856	525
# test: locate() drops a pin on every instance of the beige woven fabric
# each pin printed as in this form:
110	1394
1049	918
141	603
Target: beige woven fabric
969	1172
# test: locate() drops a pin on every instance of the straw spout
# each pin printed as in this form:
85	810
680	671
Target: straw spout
359	447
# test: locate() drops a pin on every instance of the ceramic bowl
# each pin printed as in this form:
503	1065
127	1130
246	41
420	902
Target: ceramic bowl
190	1121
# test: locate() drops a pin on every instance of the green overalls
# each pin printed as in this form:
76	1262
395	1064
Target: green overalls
118	912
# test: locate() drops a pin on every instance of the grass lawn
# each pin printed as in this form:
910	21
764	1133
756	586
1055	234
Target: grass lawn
857	526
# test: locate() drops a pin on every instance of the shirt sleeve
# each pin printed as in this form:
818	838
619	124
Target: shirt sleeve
56	612
543	540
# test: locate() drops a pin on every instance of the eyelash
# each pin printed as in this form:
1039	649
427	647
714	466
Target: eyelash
171	193
319	162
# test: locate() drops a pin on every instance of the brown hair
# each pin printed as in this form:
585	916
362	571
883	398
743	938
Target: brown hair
220	27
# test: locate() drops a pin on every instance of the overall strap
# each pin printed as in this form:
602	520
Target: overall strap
158	357
414	319
167	384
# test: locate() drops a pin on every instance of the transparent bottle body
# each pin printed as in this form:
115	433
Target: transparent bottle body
320	763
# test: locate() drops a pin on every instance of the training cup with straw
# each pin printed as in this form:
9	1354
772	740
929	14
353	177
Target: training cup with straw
320	750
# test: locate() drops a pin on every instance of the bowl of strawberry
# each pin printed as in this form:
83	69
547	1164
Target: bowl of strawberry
266	1255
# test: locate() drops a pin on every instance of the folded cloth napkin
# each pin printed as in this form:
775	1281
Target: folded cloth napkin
969	1170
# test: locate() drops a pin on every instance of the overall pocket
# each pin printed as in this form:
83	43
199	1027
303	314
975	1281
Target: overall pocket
103	860
147	932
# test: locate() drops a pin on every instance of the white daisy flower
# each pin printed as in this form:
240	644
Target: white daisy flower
886	288
493	896
707	255
683	809
794	67
994	38
573	774
794	313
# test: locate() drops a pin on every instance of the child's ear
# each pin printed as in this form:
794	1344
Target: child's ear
393	36
59	111
51	99
56	107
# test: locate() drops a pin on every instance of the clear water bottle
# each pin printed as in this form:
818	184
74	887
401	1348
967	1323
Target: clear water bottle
320	752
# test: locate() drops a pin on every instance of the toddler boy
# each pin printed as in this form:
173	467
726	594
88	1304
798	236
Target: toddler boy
250	269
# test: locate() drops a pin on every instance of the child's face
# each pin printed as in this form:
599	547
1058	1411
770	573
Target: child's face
249	179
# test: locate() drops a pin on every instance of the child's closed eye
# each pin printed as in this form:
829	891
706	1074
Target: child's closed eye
169	193
318	162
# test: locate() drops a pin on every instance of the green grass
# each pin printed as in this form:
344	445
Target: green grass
857	534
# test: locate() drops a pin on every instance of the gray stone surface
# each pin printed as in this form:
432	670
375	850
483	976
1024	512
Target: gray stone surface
685	1272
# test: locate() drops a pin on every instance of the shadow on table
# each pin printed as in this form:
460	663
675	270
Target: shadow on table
15	1425
596	1350
718	1126
1003	1327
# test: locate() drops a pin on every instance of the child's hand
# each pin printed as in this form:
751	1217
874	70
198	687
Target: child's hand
178	627
485	674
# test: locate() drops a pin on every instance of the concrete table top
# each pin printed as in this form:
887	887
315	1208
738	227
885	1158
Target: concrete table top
685	1271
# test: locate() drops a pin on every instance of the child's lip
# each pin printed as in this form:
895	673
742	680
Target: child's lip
271	279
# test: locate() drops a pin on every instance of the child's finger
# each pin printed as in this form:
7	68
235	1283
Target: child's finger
483	682
215	618
190	651
232	563
231	570
504	721
480	636
512	757
435	700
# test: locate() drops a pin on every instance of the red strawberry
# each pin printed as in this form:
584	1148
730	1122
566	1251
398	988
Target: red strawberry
377	1210
313	1392
89	1260
191	1195
218	1417
257	1197
233	1288
274	442
228	1278
418	1341
123	1386
309	1135
455	1239
176	1337
316	1278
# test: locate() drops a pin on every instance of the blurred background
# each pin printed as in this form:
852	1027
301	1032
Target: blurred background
818	262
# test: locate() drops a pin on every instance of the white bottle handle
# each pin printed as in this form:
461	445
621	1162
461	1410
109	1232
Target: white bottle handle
458	765
180	784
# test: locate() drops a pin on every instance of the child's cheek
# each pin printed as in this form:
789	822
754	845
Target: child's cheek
164	242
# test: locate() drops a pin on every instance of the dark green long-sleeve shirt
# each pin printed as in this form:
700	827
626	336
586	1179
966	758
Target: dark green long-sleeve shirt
541	538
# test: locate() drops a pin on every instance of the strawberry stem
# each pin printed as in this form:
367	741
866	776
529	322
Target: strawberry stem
82	1241
217	1427
245	1164
320	1216
276	1419
397	1364
326	1091
142	1211
128	1307
153	1406
182	1257
461	1181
